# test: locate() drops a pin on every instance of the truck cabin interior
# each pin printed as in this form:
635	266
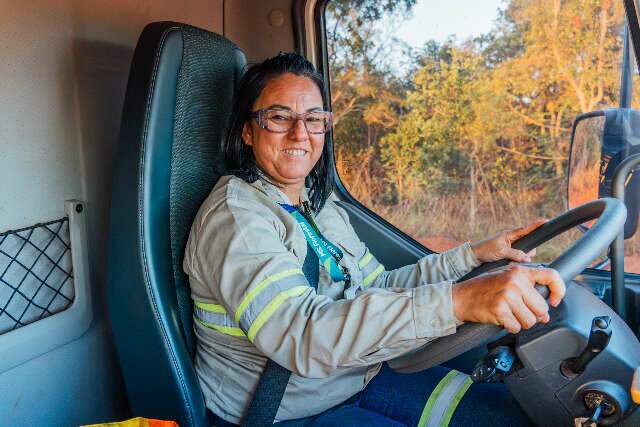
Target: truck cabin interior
113	116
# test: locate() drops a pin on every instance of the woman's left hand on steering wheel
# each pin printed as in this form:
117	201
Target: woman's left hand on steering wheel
499	247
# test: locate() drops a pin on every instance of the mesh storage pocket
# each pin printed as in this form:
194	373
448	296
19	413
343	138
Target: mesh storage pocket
36	278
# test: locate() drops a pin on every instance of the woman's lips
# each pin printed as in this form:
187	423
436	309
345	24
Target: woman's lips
295	152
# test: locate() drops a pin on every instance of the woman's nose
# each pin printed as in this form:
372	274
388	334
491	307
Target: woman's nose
299	131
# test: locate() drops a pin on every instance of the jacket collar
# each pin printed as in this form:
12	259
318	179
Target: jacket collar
266	185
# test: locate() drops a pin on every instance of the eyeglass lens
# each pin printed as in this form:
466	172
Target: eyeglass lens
283	121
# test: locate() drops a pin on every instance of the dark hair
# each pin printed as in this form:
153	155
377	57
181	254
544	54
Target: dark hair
239	159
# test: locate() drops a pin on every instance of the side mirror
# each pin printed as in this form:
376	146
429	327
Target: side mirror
600	141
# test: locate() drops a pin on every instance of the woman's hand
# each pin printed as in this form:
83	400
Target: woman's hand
508	297
499	246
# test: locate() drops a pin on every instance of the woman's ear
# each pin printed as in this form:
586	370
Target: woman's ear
247	133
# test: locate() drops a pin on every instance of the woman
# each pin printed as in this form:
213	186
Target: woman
260	226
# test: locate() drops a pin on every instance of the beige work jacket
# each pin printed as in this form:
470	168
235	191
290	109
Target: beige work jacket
244	258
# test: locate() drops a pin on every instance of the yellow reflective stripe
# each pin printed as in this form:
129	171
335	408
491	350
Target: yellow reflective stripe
327	264
214	308
266	313
266	282
426	412
370	278
236	332
455	401
444	400
365	260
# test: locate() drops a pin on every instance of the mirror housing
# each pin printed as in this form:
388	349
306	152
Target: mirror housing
600	141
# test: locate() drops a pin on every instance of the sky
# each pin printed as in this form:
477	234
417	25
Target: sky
437	19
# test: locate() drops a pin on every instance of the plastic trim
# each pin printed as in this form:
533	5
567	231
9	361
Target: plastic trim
631	10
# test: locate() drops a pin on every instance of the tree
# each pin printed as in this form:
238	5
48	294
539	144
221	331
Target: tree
482	122
366	95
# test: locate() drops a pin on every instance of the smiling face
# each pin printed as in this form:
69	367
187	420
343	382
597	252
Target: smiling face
286	157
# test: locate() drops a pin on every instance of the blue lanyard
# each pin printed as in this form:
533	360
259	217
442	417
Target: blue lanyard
328	253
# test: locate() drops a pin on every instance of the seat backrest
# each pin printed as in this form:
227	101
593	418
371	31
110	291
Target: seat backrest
176	109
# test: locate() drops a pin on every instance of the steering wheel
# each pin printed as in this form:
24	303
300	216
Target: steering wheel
611	214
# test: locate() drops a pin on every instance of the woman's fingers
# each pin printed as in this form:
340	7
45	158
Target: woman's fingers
550	278
523	231
536	303
509	322
525	317
508	297
527	307
517	255
544	319
513	235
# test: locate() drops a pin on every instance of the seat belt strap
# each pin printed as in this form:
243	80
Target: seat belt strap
273	382
444	399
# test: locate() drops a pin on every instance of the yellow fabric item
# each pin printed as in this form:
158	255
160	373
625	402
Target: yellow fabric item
137	422
635	386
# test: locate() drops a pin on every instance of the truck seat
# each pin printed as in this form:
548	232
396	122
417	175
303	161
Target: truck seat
178	101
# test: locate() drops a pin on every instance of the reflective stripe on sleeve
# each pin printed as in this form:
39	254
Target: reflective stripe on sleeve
214	316
256	307
370	268
275	279
444	399
365	259
266	313
260	297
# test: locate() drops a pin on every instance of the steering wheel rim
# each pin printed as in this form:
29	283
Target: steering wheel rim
610	214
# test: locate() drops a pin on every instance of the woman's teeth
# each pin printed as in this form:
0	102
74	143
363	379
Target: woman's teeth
295	152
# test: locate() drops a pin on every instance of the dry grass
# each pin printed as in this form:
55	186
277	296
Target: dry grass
441	221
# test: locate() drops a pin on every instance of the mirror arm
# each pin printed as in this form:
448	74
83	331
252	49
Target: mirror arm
617	247
602	264
626	80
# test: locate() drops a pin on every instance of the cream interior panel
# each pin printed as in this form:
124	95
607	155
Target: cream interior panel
39	158
248	24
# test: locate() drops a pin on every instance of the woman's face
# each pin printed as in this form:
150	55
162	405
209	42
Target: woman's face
286	157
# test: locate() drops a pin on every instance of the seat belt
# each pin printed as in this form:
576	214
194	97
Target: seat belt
328	253
273	382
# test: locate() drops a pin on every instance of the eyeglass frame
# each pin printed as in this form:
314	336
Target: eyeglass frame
258	116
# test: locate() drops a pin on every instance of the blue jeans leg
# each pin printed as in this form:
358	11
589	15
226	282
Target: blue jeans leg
352	415
393	399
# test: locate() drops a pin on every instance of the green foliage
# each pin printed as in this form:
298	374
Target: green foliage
485	121
436	126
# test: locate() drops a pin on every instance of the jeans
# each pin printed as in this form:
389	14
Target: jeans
393	399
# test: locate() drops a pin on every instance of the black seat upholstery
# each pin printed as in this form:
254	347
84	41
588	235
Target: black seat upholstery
176	109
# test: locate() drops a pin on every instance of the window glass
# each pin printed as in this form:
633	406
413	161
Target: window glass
453	119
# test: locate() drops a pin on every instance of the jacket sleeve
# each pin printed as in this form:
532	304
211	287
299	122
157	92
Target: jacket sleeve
260	283
450	265
435	268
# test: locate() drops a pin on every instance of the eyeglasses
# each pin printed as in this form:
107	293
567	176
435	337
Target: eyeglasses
282	121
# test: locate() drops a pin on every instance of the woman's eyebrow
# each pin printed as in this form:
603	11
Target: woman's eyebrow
284	107
278	107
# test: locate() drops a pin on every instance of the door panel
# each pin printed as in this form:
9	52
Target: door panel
63	76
